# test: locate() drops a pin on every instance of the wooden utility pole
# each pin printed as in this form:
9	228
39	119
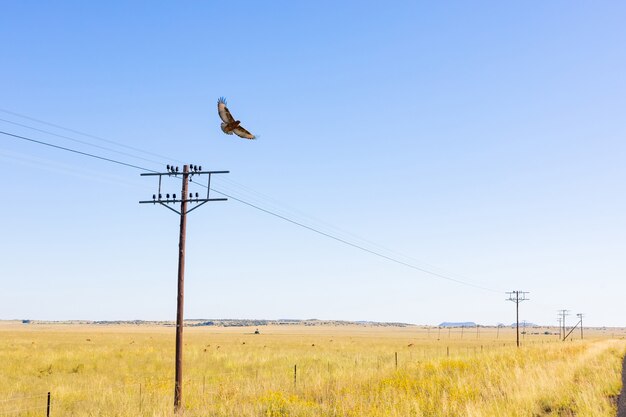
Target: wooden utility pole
563	314
180	299
517	297
188	171
580	316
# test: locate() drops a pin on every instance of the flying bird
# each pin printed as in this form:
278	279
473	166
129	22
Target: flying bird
229	124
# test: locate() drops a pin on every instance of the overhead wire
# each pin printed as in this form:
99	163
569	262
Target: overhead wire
75	151
258	195
67	129
285	209
270	212
354	245
79	141
164	159
349	234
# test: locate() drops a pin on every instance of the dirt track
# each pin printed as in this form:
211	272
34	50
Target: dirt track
621	401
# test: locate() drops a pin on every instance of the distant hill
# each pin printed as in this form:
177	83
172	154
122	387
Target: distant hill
473	324
525	325
457	324
289	322
228	322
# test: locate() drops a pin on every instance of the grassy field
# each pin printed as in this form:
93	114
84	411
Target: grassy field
341	371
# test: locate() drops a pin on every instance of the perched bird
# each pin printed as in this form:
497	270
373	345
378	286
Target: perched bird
229	124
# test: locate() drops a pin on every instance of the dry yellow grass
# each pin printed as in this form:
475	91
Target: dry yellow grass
341	371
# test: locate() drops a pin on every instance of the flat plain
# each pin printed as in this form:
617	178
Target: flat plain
295	370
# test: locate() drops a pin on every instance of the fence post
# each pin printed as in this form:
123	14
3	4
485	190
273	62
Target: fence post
48	406
295	375
448	351
396	361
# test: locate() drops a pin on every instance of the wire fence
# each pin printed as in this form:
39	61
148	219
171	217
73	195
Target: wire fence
38	403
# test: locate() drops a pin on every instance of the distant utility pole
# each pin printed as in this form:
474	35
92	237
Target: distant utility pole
188	172
560	327
517	297
580	322
580	316
563	314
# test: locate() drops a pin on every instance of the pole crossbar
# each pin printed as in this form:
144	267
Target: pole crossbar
175	174
188	200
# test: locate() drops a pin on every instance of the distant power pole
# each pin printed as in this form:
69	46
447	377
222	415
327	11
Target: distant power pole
563	314
517	297
580	322
560	327
188	171
580	316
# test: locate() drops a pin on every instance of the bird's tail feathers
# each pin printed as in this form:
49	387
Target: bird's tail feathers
223	125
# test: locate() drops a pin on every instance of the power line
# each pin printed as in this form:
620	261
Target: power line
282	217
78	132
354	245
40	142
266	199
256	194
79	141
331	229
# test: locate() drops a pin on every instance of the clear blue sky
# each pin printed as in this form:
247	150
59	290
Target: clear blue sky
482	139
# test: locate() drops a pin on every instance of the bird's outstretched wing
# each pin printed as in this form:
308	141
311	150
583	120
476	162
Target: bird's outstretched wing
243	133
223	111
